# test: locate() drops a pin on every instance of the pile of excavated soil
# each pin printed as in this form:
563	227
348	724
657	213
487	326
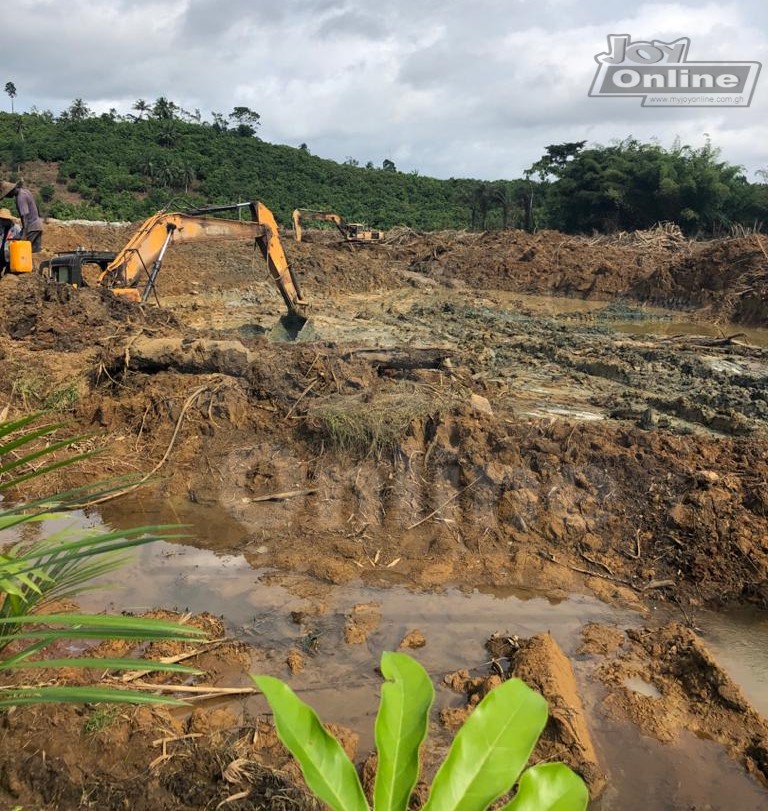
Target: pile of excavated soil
542	665
545	262
63	318
729	277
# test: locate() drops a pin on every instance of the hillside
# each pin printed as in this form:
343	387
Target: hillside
104	168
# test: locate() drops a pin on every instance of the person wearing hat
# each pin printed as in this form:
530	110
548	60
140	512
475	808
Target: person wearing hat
31	224
9	230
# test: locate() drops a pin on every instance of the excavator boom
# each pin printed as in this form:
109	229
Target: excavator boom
132	273
135	268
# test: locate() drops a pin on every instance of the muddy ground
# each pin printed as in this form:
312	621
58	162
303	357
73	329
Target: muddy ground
444	428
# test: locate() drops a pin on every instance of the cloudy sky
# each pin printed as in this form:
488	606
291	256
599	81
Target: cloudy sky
448	88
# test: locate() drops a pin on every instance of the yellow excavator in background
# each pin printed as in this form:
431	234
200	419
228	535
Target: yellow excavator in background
351	231
132	273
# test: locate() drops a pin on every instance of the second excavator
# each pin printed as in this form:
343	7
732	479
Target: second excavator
351	231
132	272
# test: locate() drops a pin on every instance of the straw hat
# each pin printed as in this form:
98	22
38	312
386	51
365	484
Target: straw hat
6	188
6	215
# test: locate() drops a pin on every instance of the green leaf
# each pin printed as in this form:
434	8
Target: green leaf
328	771
80	695
490	750
401	726
549	787
150	665
111	622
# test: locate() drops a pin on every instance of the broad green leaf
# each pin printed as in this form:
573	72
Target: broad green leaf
490	750
549	787
401	726
328	771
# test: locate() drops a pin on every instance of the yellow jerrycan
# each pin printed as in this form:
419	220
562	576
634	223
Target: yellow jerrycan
20	255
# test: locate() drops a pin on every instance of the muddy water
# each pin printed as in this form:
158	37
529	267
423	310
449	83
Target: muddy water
646	320
739	639
751	335
339	679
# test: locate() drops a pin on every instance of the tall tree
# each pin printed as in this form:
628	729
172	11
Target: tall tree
141	108
10	89
164	109
78	110
246	119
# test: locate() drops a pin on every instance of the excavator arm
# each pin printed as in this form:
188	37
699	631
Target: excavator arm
300	214
134	269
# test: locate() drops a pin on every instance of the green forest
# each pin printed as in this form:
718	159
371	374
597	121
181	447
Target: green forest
117	167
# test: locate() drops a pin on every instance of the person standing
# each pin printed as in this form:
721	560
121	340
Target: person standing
31	224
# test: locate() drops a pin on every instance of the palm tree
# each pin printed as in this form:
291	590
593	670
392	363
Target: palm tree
79	110
168	133
479	200
164	109
187	175
141	108
502	194
10	89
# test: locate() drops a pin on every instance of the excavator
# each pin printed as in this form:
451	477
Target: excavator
132	273
351	231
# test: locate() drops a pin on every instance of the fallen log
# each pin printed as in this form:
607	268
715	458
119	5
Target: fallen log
204	356
195	356
402	359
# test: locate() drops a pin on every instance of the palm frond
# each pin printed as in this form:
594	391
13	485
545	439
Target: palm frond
64	564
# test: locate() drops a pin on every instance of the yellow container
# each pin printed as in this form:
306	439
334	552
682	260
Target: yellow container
20	251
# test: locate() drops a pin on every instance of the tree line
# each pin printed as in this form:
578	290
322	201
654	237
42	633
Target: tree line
125	167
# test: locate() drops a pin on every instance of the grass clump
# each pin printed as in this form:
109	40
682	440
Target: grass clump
369	425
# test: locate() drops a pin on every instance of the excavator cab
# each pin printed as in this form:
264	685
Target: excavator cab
77	267
358	232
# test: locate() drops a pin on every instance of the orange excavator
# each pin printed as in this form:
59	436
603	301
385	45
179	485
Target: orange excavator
351	231
132	273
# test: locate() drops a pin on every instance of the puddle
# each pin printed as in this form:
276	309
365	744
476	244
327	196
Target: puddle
340	680
641	687
739	640
686	775
751	335
256	606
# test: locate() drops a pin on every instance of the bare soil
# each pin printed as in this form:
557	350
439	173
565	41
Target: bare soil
443	429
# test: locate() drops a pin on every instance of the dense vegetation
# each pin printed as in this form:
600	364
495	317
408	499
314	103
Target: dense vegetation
126	167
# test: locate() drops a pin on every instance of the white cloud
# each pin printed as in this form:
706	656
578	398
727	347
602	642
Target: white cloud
450	88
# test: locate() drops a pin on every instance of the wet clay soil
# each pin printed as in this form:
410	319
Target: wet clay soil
438	433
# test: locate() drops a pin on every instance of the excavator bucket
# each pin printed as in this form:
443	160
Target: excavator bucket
293	327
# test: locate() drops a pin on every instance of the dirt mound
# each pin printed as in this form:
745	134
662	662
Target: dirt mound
63	318
665	680
545	262
730	277
542	665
